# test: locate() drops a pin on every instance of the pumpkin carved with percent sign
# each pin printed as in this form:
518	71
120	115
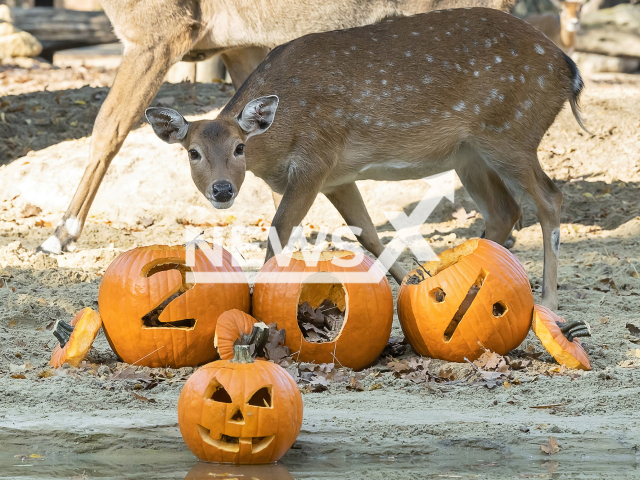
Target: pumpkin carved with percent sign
476	297
153	316
240	411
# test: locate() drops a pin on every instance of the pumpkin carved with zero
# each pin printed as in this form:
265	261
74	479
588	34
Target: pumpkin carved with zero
367	304
153	316
240	411
475	297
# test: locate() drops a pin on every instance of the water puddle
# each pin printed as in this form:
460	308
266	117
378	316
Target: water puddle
461	463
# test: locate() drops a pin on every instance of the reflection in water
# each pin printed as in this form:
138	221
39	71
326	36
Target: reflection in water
208	471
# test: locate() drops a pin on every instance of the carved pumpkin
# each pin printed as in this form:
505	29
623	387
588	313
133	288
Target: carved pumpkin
75	338
240	411
560	338
230	327
154	317
367	305
209	471
475	297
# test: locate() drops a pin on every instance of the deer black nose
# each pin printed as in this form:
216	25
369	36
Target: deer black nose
222	191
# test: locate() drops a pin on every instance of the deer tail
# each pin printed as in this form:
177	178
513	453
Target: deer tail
577	85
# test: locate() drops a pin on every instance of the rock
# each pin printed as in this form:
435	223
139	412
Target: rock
7	29
5	14
611	31
104	370
20	44
596	63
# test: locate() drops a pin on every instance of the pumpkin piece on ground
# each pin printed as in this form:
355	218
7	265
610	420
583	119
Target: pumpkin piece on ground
231	325
559	338
75	338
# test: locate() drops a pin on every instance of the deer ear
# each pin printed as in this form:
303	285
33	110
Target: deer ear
258	115
167	124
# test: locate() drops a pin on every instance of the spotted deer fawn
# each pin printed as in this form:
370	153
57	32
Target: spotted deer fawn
561	28
157	34
473	90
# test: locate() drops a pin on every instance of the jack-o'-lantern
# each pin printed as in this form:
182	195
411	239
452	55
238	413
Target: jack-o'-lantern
209	471
475	297
351	287
559	338
75	338
240	411
155	314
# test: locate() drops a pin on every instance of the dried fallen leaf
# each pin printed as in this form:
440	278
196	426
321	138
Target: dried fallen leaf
46	374
354	385
551	447
633	330
18	376
43	224
143	399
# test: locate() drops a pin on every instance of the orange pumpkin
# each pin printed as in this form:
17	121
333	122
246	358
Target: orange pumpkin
559	338
231	325
475	297
367	306
154	317
209	471
240	411
75	338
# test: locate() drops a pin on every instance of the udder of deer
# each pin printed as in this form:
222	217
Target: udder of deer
561	28
473	90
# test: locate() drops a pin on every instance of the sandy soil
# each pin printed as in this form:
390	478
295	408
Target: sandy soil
451	427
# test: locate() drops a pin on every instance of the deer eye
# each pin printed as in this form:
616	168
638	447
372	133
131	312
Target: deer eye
193	154
240	149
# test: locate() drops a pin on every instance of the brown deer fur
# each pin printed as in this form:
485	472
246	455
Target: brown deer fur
560	28
470	89
156	34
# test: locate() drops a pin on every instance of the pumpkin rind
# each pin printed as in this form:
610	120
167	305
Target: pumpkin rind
230	326
570	354
241	381
425	320
369	310
126	295
86	325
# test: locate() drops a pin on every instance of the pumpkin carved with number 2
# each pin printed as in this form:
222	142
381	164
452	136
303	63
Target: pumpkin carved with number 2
475	297
240	411
153	316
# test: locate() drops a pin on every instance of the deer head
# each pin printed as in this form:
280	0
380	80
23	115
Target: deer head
216	148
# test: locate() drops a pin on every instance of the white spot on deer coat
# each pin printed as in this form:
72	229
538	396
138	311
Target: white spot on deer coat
458	107
538	49
472	61
427	79
476	73
526	68
541	81
384	82
476	108
429	58
487	43
498	59
407	54
522	78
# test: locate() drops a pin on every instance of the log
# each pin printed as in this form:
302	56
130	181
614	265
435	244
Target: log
608	41
58	28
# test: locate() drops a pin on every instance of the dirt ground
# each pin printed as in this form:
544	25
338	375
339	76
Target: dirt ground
451	426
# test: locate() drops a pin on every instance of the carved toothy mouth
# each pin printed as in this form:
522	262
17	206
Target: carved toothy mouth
232	444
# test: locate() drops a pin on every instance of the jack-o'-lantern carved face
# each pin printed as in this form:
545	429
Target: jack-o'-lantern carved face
475	297
240	411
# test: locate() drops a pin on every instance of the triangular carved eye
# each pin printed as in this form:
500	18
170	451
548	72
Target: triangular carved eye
220	395
262	398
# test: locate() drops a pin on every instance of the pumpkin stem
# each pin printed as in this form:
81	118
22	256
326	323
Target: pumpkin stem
63	332
571	330
242	354
258	337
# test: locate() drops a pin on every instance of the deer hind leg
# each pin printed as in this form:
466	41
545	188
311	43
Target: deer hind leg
139	78
492	197
349	203
240	62
525	170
